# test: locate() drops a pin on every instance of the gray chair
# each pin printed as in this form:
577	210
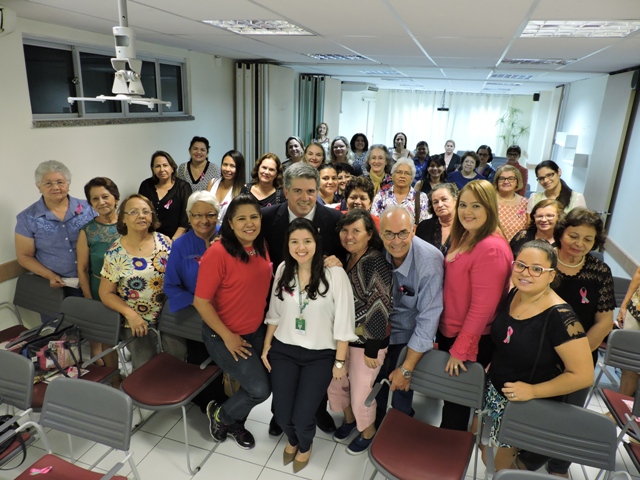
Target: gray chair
148	386
620	287
561	431
89	410
406	448
16	389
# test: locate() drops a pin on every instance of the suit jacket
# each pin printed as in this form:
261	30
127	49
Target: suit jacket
275	221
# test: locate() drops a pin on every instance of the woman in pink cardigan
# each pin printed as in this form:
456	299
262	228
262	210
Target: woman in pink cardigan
476	280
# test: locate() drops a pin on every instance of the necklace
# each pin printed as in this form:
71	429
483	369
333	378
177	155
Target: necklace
572	266
532	304
510	201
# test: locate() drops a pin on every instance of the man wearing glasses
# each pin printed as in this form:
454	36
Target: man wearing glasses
513	157
418	277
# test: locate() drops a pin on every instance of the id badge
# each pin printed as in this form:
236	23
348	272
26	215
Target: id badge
301	326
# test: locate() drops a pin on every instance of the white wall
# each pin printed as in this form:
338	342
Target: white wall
543	125
281	102
358	113
332	105
121	152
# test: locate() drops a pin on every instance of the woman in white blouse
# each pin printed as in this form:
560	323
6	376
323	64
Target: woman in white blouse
229	186
310	323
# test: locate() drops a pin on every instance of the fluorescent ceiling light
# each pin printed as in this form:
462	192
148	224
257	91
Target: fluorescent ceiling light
579	28
506	84
335	56
380	72
511	76
538	61
259	27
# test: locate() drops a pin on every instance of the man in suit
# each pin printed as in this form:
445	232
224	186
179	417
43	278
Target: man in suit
301	183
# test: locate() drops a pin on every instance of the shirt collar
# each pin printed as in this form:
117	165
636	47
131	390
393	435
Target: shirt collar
308	216
407	263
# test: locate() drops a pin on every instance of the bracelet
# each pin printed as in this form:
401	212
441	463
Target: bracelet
336	360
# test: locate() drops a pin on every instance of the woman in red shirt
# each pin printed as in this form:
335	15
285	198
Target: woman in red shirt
232	329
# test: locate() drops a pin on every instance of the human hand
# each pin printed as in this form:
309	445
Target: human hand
238	346
265	360
398	381
518	391
332	261
621	316
55	281
454	365
338	373
371	362
139	326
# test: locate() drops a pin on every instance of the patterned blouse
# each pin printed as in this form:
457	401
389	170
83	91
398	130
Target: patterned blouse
386	198
100	237
513	218
210	172
139	279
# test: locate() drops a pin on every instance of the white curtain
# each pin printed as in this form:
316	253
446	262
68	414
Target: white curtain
470	121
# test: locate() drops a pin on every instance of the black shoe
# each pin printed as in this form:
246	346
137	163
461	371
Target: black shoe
274	428
325	422
217	429
241	435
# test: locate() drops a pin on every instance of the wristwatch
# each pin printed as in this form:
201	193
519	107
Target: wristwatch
339	364
406	373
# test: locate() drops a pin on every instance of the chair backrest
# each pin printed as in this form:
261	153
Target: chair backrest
16	380
34	293
90	410
623	350
620	287
96	321
185	323
430	379
560	431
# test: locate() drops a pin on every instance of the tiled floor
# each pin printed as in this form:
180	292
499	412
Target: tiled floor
159	451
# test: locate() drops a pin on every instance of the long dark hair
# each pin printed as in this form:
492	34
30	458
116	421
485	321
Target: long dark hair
229	240
287	281
564	197
238	179
170	161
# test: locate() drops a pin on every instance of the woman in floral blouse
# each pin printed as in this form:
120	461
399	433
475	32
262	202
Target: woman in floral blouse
512	208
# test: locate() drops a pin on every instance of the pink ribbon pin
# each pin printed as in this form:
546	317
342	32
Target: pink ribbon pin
78	209
507	339
583	294
168	204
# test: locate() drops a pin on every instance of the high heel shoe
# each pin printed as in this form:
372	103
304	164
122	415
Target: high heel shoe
287	457
300	464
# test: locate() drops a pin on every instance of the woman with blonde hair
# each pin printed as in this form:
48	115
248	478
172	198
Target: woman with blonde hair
512	208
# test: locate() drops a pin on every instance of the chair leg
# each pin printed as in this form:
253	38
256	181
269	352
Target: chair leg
134	469
186	446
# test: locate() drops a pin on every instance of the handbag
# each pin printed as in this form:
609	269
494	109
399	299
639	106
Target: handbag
57	351
4	446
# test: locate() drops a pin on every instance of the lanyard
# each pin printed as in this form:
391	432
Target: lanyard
301	304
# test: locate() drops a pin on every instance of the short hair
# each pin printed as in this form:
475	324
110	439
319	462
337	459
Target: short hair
105	182
407	162
508	168
203	196
201	140
422	143
277	182
439	161
120	225
578	217
51	166
286	144
170	160
488	149
318	127
352	216
352	143
547	202
327	166
452	188
342	139
363	183
396	136
344	167
389	158
514	148
394	208
472	154
452	141
486	195
550	253
301	170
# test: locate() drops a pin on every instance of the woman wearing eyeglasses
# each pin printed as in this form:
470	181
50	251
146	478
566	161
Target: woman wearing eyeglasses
485	168
476	280
543	219
548	174
512	208
541	349
133	277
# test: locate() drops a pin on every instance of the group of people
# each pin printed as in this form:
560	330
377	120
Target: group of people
350	269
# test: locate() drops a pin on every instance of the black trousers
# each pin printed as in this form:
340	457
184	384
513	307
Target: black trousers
299	381
454	416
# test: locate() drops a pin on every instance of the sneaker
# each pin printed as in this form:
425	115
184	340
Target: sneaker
217	429
359	445
344	431
241	435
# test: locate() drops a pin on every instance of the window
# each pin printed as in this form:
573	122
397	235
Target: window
56	72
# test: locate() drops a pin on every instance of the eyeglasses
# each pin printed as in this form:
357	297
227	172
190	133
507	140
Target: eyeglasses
200	216
534	270
136	213
403	235
544	217
548	176
483	154
513	154
403	173
50	185
507	179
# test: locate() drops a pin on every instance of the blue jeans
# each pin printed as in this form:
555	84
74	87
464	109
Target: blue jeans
250	372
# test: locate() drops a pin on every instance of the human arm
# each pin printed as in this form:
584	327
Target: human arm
26	255
602	325
184	191
341	355
179	232
398	380
268	338
82	253
109	296
178	275
633	287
